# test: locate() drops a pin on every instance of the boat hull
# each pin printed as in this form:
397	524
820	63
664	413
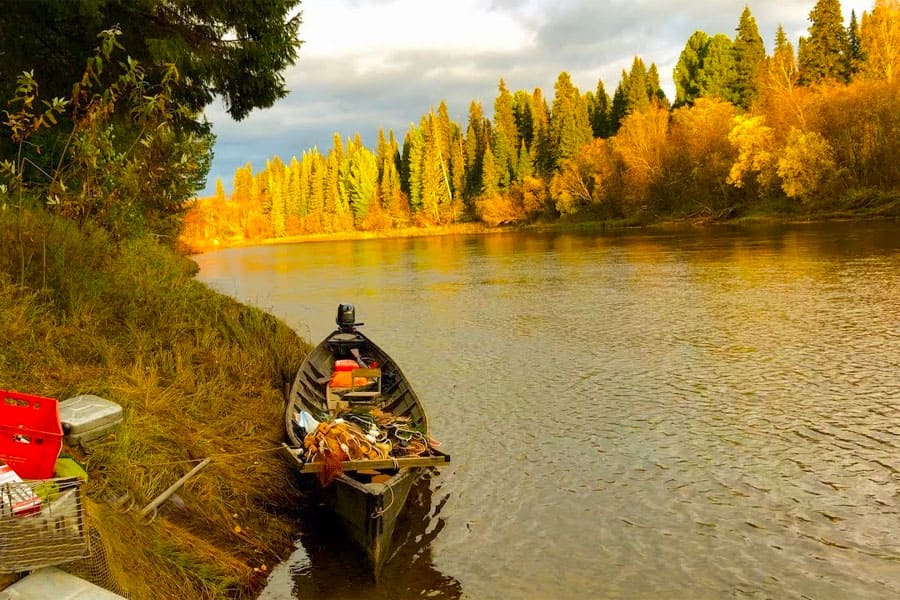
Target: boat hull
368	512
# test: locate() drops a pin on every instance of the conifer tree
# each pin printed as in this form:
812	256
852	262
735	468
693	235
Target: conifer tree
689	68
541	146
488	174
292	190
749	53
435	182
277	195
505	135
404	169
522	108
381	151
598	111
637	95
524	167
569	122
458	168
476	139
361	181
332	195
654	89
823	55
717	77
444	133
318	172
220	190
854	46
243	182
619	107
416	155
305	183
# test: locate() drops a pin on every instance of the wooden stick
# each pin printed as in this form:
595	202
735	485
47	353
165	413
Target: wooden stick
172	489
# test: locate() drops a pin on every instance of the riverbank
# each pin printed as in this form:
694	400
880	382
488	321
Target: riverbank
198	376
862	208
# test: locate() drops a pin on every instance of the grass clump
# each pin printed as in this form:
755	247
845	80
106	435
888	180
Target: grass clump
198	375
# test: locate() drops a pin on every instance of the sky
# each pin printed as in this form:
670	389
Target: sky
370	64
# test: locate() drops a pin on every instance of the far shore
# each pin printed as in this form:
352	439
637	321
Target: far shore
562	226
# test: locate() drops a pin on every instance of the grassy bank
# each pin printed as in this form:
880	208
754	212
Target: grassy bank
198	375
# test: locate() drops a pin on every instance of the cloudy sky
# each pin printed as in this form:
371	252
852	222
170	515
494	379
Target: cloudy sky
370	64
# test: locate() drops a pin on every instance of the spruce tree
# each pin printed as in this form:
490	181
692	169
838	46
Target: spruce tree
569	123
522	108
505	138
292	189
619	108
823	55
474	148
598	111
654	89
749	54
541	145
488	174
854	45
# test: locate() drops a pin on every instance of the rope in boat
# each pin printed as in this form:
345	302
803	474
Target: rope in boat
379	512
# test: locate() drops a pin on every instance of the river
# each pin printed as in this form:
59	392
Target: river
688	413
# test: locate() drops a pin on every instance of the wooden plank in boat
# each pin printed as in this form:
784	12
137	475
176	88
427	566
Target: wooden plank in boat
440	458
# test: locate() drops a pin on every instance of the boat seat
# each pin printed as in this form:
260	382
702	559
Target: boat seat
363	394
361	390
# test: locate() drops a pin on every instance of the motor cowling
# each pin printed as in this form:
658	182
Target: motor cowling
346	317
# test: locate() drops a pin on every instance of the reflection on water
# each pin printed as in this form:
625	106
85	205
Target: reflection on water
325	566
706	413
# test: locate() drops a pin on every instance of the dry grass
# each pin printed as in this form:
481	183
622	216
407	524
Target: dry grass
198	375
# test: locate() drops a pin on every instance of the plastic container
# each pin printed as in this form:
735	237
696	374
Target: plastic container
87	417
30	434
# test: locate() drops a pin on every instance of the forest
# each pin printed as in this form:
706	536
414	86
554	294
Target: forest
802	131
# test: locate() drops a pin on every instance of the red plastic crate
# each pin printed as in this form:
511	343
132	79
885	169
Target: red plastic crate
30	434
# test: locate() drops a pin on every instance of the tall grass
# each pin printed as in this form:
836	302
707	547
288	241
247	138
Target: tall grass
198	375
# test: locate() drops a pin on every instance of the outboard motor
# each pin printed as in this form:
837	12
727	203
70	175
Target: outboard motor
346	318
346	340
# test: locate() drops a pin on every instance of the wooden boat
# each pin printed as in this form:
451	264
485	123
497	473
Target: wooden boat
369	493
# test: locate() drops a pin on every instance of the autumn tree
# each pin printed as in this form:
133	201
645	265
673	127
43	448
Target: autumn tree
639	146
757	157
805	165
698	158
880	40
582	180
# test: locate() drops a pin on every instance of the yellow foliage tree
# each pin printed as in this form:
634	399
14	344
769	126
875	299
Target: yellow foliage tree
699	155
805	165
639	146
581	179
756	161
880	40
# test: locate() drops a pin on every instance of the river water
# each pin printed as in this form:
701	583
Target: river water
696	413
